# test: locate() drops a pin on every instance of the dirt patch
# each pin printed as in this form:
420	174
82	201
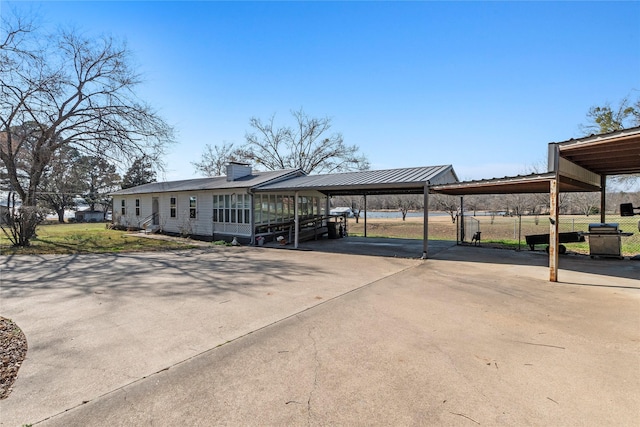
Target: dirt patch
13	350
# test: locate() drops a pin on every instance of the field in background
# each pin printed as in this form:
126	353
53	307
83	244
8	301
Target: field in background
499	230
85	238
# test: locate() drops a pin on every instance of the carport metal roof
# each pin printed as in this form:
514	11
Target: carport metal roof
534	183
615	153
389	181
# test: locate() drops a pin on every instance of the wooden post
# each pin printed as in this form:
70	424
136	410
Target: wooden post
553	229
425	223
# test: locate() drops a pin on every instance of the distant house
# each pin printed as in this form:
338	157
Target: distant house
247	204
87	215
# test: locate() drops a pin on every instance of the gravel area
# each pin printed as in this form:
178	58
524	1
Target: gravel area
13	350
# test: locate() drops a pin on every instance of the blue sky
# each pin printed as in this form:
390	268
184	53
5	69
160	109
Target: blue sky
483	86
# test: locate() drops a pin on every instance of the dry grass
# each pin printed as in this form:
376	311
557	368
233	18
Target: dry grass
499	231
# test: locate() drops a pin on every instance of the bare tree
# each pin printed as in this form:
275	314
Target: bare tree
215	158
447	204
585	203
307	146
71	91
406	203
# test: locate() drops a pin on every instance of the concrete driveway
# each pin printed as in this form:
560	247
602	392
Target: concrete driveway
250	336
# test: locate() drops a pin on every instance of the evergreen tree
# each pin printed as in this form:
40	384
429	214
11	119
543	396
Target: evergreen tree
140	172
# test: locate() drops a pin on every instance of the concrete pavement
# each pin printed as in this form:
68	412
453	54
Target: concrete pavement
95	323
474	336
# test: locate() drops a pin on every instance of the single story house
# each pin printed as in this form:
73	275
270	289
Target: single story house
247	205
218	208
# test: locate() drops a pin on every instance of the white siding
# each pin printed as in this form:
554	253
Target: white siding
202	225
130	219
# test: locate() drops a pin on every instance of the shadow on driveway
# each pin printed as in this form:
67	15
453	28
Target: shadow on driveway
373	246
448	250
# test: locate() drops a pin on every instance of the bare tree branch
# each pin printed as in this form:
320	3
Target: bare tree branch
307	146
71	91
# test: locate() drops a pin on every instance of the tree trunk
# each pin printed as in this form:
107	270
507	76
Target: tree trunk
61	215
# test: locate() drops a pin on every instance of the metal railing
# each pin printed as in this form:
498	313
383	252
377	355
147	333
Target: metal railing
149	220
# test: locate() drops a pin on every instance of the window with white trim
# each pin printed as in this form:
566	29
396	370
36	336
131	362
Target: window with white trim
193	205
232	208
173	202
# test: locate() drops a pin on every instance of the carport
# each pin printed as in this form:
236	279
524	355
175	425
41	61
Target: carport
417	180
576	165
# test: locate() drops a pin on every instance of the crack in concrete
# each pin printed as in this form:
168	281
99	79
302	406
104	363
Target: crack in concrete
315	377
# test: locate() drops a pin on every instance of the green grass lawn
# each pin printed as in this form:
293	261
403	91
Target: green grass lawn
86	238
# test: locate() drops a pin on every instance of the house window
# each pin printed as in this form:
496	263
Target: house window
257	208
137	207
123	209
247	209
232	208
218	208
193	204
172	207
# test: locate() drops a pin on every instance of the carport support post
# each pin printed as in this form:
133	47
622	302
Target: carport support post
425	225
365	215
295	221
553	229
327	208
462	216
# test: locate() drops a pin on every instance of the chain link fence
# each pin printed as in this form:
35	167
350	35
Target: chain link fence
511	231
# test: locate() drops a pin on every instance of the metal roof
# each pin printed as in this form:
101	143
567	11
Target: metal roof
614	153
215	183
534	183
388	181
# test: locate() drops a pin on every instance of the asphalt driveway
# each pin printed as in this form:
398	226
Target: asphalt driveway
250	336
